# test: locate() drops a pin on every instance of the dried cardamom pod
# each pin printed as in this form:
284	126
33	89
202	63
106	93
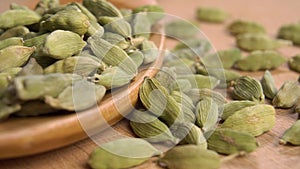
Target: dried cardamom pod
207	114
18	6
18	17
31	68
255	41
189	133
188	114
291	135
116	39
182	85
166	76
6	110
191	157
210	14
14	56
290	32
137	56
36	41
248	88
200	81
44	5
261	60
195	44
181	66
233	106
150	51
154	12
183	99
116	25
119	154
181	29
6	76
14	41
227	57
227	141
149	127
141	26
101	8
199	94
79	96
287	95
242	26
17	31
294	63
254	120
268	85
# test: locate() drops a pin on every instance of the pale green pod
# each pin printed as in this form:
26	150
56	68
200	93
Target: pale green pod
119	154
226	76
183	99
113	77
150	51
116	25
255	41
254	120
294	63
233	106
190	157
261	60
17	31
31	68
189	133
211	14
102	8
154	12
207	114
181	29
268	85
195	44
137	56
61	44
37	41
290	32
182	85
199	94
67	19
201	81
13	6
18	17
79	96
14	41
126	13
44	5
242	26
181	66
6	110
85	11
149	127
291	135
141	26
248	88
188	114
116	39
39	105
14	56
166	76
6	76
80	65
287	95
94	28
227	141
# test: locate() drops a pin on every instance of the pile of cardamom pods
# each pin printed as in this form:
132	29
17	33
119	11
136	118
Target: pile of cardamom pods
55	53
184	106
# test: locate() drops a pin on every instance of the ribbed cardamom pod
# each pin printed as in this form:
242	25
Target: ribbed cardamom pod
197	45
18	17
183	99
291	135
210	14
112	55
14	41
242	26
226	76
200	81
182	66
287	95
14	56
116	25
67	19
254	120
268	85
190	157
261	60
188	114
6	76
182	85
255	41
137	56
229	57
17	31
36	41
101	8
18	6
233	106
189	133
116	39
166	76
80	65
248	88
227	141
147	126
199	94
44	5
31	68
84	10
113	77
290	32
154	12
150	51
6	110
182	29
294	63
207	114
141	26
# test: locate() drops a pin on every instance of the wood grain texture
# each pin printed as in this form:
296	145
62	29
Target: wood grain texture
272	14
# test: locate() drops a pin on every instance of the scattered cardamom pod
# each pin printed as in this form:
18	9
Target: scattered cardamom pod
18	17
17	31
291	135
211	14
200	81
101	8
154	12
207	114
254	120
199	94
287	95
268	85
227	57
242	26
181	29
294	63
233	106
290	32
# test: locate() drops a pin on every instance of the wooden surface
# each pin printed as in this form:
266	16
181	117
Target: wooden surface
272	14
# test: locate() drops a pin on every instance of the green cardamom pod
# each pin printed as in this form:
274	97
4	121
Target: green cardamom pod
31	68
195	44
116	39
149	127
14	41
17	31
150	51
119	154
227	58
44	5
248	88
182	66
190	157
290	32
242	26
14	56
183	99
13	6
199	94
6	76
226	76
233	106
166	76
261	60
254	120
141	26
102	8
207	114
287	95
291	135
209	14
6	110
294	63
201	81
116	25
182	85
18	17
181	29
36	41
154	12
254	41
227	141
137	56
268	85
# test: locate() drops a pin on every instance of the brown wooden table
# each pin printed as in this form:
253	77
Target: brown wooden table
270	13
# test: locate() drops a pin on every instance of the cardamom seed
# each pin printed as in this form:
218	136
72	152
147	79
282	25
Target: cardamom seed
242	26
268	85
287	95
294	63
210	14
291	135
